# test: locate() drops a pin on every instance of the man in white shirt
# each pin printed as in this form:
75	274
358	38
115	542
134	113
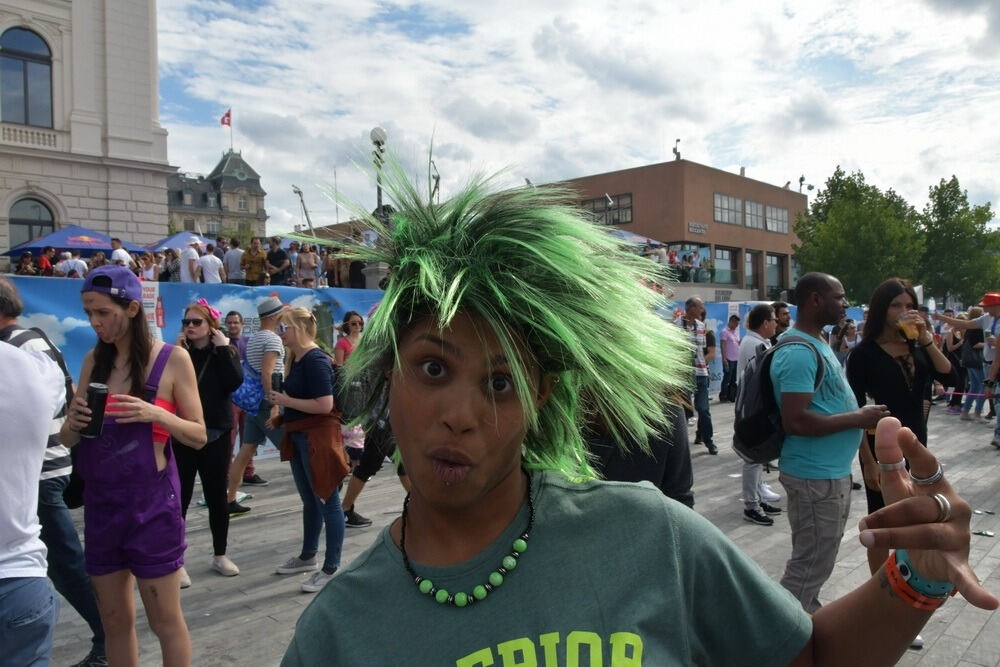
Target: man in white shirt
760	327
231	261
119	255
210	266
189	262
29	607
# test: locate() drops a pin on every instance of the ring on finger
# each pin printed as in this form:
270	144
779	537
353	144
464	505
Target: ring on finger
898	465
925	481
944	508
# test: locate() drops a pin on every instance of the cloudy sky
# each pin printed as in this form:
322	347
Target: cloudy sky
908	91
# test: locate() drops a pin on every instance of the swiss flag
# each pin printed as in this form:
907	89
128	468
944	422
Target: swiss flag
227	118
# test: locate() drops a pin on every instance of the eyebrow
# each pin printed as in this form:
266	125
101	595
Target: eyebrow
455	351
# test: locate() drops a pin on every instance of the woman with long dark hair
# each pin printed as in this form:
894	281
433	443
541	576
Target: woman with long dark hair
895	364
217	365
132	517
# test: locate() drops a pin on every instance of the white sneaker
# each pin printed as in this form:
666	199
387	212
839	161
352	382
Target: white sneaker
224	566
184	578
767	494
918	642
316	582
294	565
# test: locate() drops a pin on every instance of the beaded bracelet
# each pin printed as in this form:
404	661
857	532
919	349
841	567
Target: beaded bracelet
905	582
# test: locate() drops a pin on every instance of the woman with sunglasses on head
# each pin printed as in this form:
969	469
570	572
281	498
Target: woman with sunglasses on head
132	510
894	364
312	441
492	327
218	374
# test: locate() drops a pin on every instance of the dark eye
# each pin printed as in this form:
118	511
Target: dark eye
501	384
433	368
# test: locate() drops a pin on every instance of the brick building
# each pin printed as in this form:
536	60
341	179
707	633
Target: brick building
80	138
230	199
742	225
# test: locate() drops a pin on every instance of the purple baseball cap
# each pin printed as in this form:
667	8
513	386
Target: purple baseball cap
124	284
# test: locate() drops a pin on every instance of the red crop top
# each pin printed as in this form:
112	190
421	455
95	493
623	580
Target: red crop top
160	434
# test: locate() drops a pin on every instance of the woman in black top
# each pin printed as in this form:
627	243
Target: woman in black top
896	371
217	367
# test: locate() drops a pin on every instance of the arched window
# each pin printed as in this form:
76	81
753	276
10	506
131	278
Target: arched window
29	219
25	78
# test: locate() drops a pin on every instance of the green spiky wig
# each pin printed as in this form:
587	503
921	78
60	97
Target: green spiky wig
548	283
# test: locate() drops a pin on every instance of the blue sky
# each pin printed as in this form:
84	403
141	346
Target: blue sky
907	91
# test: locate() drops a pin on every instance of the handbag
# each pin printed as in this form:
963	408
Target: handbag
971	357
249	394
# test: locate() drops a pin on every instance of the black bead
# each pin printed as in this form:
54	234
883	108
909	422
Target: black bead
451	599
515	554
502	571
417	580
488	587
432	591
524	535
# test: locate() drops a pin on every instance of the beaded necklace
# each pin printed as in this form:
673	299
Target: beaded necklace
496	577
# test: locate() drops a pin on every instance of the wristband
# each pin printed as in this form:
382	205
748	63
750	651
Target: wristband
913	589
928	344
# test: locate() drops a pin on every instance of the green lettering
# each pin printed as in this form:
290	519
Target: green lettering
508	652
481	658
621	642
578	638
549	642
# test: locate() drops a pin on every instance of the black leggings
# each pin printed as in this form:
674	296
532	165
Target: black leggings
379	444
211	462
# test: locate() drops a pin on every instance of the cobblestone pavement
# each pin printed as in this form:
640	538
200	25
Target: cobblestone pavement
249	619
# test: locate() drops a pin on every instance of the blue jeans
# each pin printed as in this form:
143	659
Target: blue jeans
66	555
701	406
315	511
975	387
29	609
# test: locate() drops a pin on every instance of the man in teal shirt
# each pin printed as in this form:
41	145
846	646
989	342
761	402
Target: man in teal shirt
823	431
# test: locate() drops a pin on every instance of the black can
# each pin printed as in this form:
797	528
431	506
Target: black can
276	379
97	400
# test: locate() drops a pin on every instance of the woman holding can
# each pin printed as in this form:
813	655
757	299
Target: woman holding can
313	445
132	517
217	365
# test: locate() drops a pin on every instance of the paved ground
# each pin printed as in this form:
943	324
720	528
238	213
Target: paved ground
248	620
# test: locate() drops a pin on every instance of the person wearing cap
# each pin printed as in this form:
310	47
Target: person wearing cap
132	519
26	265
189	261
265	355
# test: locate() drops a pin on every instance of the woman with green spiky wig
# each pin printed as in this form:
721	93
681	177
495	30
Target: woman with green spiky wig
492	344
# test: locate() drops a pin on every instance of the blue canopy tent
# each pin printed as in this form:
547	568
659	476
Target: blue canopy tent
631	237
179	240
72	237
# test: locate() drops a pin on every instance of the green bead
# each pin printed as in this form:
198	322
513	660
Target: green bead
479	592
520	545
496	578
425	586
509	562
441	596
461	599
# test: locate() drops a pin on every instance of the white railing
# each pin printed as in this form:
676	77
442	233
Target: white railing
33	137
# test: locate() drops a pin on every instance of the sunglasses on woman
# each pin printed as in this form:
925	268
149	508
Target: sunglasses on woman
281	328
193	322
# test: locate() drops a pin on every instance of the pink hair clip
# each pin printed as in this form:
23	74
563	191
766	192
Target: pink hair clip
211	311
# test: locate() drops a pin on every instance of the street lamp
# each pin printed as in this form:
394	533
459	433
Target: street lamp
379	138
802	181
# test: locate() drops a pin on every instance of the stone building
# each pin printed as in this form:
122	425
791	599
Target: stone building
228	200
80	137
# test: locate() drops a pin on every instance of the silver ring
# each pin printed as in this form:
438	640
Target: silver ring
925	481
898	465
944	508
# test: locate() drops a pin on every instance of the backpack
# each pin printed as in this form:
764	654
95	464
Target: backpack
353	398
757	432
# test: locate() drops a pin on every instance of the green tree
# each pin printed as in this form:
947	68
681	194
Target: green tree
962	256
859	234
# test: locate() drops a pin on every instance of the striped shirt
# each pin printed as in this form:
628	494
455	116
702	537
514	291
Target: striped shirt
57	460
265	341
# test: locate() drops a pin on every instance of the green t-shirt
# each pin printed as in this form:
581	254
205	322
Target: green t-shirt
793	371
614	574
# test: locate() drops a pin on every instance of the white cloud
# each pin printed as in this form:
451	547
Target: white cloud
53	327
904	91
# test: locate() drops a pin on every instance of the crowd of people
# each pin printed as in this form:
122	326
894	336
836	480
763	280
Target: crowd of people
303	264
479	369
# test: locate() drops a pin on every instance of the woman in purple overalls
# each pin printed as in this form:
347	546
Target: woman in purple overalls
132	515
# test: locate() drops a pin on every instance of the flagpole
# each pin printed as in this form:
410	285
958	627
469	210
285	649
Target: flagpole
230	135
